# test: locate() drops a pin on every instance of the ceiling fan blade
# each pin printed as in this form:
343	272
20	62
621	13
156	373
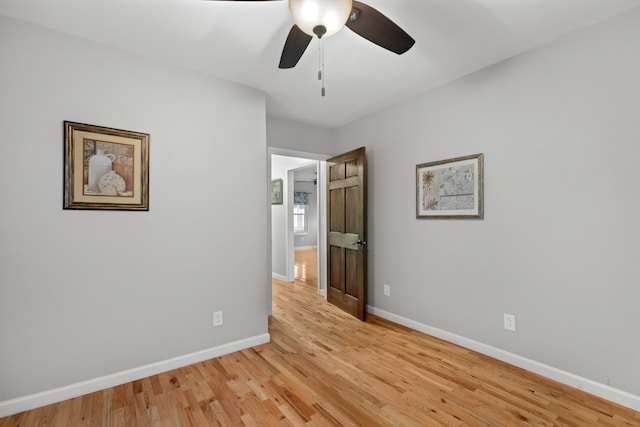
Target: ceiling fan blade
294	47
377	28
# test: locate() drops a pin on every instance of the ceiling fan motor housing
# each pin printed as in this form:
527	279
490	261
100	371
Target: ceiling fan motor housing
319	30
314	16
323	18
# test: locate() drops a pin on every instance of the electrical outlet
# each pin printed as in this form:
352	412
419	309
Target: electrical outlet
510	322
387	290
217	318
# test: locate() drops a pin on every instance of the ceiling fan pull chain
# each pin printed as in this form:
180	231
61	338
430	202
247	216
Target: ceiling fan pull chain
321	72
319	59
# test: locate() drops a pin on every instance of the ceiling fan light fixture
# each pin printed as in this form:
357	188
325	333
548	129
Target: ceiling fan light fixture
311	16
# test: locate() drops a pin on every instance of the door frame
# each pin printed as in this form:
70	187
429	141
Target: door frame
322	215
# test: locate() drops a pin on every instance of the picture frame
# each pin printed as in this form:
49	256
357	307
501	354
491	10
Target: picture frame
452	188
276	191
105	168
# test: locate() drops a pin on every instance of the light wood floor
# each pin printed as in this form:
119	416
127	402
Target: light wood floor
324	368
306	266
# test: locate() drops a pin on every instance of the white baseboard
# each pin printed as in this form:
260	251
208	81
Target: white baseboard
25	403
601	390
279	277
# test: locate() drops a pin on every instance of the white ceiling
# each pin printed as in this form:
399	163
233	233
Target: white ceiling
242	42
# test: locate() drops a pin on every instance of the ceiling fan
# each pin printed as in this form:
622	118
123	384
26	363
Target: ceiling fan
313	180
322	18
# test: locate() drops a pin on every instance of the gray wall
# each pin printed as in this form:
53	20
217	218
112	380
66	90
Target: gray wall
87	293
559	243
286	134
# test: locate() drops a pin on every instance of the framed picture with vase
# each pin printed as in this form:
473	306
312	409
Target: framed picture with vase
105	168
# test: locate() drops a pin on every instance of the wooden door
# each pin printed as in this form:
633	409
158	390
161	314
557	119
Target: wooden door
347	232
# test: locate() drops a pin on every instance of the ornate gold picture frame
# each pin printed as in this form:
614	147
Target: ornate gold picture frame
105	168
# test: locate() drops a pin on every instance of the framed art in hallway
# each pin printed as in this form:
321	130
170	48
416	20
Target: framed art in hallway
105	168
452	188
276	192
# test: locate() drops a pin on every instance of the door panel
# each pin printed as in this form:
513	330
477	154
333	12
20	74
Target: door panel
336	172
336	278
337	215
351	169
352	272
346	225
352	206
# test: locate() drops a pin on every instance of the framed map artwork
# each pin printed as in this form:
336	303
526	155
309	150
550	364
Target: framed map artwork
452	188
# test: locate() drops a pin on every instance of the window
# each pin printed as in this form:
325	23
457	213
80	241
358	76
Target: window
299	219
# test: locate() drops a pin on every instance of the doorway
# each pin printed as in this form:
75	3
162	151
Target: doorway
309	169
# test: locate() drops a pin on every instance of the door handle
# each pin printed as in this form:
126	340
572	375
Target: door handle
360	242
